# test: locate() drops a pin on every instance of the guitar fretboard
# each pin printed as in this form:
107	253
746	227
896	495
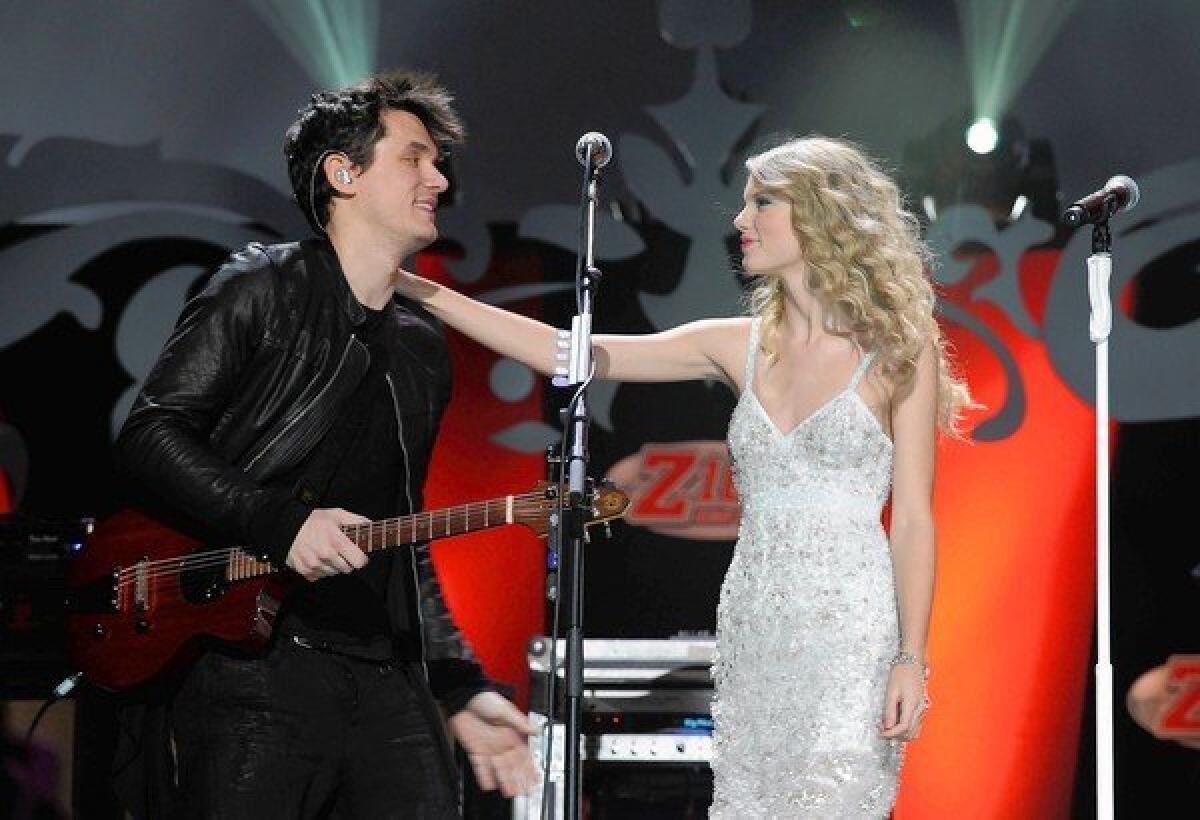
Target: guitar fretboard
404	530
413	529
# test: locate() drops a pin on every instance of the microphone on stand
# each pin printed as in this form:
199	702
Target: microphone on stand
595	145
1118	194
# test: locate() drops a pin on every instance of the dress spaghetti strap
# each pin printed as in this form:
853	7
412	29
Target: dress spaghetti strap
863	366
751	352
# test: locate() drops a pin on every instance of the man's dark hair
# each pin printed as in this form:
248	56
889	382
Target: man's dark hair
350	121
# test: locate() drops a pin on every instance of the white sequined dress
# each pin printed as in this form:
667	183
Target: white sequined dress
807	623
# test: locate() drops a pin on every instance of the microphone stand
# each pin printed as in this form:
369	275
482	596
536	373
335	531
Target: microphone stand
1099	266
577	507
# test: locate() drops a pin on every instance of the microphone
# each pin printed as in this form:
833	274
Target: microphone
595	145
1118	194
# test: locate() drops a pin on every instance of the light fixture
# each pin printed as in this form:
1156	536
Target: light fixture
982	136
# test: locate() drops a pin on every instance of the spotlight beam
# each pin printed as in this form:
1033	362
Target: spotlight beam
1004	40
332	40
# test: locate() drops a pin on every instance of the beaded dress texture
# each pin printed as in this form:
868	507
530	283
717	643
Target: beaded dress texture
806	623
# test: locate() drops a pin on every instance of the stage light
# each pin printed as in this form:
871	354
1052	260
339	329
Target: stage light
1018	208
333	40
929	205
997	166
982	136
863	13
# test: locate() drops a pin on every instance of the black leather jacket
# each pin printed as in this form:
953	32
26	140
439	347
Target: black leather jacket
253	375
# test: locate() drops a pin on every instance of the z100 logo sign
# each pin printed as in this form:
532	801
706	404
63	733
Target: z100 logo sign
682	489
1180	716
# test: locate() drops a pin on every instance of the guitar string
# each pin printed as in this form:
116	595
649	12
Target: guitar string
213	558
166	580
199	561
407	519
224	556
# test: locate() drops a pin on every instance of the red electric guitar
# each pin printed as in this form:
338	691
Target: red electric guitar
143	597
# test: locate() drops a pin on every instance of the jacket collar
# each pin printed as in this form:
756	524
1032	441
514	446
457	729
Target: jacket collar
327	268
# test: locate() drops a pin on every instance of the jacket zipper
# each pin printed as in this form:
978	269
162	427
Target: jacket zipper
309	406
412	553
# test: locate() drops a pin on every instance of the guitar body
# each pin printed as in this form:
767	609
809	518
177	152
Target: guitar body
133	615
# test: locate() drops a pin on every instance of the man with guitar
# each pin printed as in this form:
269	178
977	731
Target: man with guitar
297	397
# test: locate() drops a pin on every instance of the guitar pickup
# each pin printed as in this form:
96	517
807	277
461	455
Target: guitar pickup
141	584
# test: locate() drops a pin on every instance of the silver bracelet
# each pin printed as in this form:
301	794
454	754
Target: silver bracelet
907	658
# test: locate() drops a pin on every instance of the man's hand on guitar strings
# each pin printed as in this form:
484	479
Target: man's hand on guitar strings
321	549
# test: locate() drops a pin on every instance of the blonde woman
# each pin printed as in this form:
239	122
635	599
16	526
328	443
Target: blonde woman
843	381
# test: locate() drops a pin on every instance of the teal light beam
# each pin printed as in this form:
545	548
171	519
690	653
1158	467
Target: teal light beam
1004	40
333	40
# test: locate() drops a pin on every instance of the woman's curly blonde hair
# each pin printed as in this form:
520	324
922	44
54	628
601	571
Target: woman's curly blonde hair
866	261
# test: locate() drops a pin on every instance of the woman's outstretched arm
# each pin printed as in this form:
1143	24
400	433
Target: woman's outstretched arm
707	349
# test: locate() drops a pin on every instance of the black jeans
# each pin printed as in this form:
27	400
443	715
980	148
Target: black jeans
302	733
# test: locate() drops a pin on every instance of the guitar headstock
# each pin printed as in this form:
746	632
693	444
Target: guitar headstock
534	509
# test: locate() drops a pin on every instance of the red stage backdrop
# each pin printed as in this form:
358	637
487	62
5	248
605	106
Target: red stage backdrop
493	580
1013	613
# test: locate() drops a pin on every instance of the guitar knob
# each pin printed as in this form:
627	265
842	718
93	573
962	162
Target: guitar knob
142	626
99	631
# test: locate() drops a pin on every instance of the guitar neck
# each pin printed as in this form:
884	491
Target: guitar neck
426	526
397	532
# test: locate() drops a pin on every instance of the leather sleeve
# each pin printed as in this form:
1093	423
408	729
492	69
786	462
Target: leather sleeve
164	443
455	675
